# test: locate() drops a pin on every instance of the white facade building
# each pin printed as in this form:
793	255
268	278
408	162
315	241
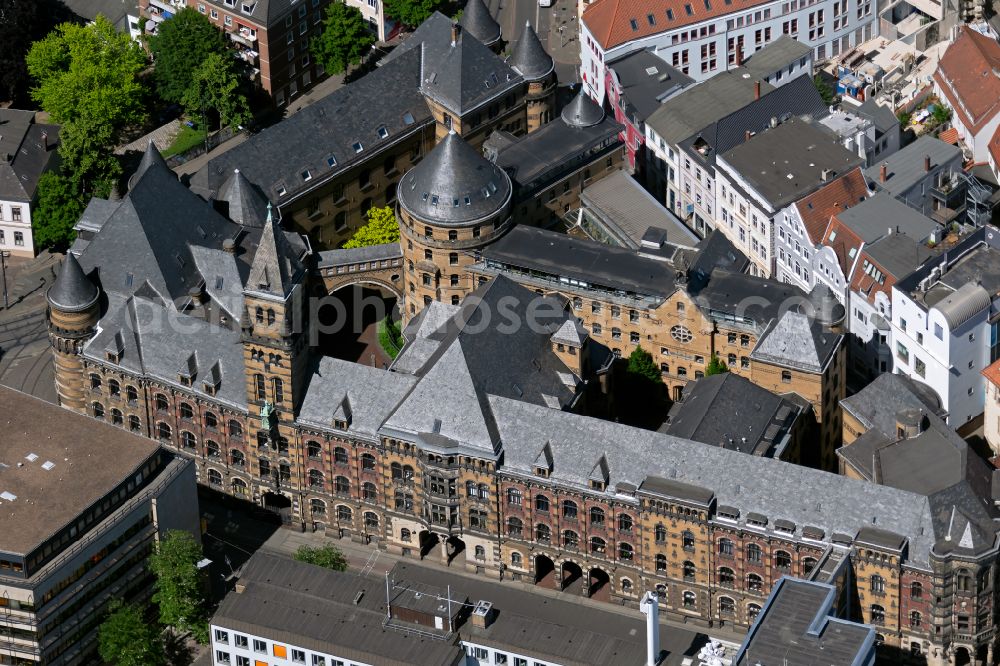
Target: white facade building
27	150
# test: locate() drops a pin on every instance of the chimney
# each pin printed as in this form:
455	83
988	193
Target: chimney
927	163
746	137
45	140
482	614
910	423
650	607
756	89
454	33
739	57
229	246
883	172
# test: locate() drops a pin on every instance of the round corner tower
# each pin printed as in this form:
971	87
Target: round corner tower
74	309
451	204
537	67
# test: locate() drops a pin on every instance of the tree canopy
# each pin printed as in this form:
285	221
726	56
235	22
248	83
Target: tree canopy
641	364
327	557
88	81
345	39
59	206
412	12
716	366
126	639
641	395
179	48
381	228
215	85
178	584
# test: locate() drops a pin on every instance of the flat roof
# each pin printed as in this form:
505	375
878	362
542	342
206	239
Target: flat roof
54	464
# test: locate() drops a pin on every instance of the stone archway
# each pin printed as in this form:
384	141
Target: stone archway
572	577
278	504
428	542
962	657
545	572
346	320
599	585
454	547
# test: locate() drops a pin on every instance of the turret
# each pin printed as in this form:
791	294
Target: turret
537	67
478	22
74	309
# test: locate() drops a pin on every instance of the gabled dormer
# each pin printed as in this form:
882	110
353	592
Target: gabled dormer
600	475
543	461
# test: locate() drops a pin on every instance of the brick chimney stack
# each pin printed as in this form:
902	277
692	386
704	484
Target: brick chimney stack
739	57
746	137
756	89
454	33
883	172
927	163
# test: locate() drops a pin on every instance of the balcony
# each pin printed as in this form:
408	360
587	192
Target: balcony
244	37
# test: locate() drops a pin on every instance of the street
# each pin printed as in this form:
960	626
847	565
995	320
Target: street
564	48
25	357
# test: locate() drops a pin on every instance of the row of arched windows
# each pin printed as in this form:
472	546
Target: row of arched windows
114	388
186	411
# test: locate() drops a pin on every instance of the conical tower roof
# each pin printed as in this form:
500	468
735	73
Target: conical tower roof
276	265
247	206
478	22
73	291
149	158
530	59
582	111
454	184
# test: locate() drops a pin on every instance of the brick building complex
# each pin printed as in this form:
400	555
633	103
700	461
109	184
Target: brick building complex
475	446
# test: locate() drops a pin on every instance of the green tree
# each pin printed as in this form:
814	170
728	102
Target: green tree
381	228
59	206
716	366
126	639
412	12
345	39
179	48
941	113
327	557
215	85
641	364
824	90
178	584
88	81
640	395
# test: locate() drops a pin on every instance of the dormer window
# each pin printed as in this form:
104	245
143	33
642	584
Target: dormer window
185	380
408	118
306	176
542	472
598	485
340	425
282	191
248	7
331	161
114	357
383	133
358	147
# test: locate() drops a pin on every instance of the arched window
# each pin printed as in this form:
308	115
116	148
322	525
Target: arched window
596	516
753	553
371	520
239	487
235	429
570	539
625	522
690	600
114	388
514	527
484	491
514	497
407	473
212	449
625	552
368	491
782	560
405	535
517	560
598	545
726	547
367	461
342	485
543	533
163	430
689	570
259	315
186	411
626	586
877	615
396	470
808	564
95	381
541	503
134	424
161	403
258	382
98	410
340	456
755	583
315	478
264	468
915	619
313	450
131	395
278	390
317	506
727	606
117	418
270	317
263	440
753	610
188	440
727	578
963	581
661	590
214	477
569	509
470	488
916	590
877	584
344	514
403	501
660	533
211	420
480	553
661	562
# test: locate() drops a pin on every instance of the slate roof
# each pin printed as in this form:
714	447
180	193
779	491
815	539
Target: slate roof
454	184
757	299
582	111
646	80
883	117
460	77
266	12
72	291
150	156
895	256
776	55
116	11
839	194
881	214
320	139
21	139
714	252
798	626
245	204
478	22
529	59
699	105
729	411
968	75
797	341
906	166
876	405
276	266
785	163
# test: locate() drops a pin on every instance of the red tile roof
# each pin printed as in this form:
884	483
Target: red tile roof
840	194
950	135
610	21
992	373
842	244
863	283
994	147
969	76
